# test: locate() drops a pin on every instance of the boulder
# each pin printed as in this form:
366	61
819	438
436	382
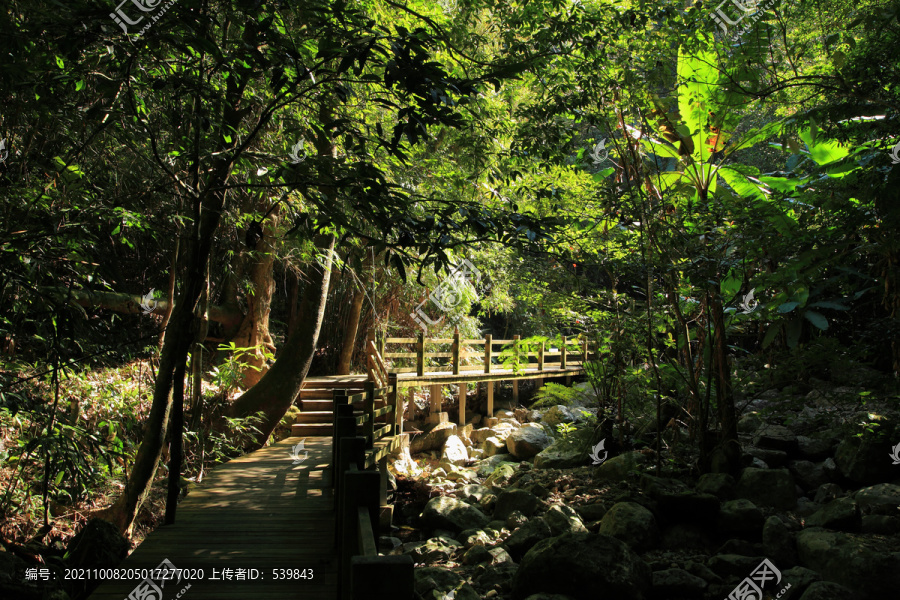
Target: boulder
827	590
850	560
487	465
730	566
592	512
768	487
841	513
514	520
436	549
779	542
562	519
449	513
741	517
883	499
677	502
828	492
432	440
800	579
808	475
474	537
863	461
720	485
776	437
472	492
565	452
516	500
772	458
475	555
617	468
402	463
672	583
580	564
454	451
493	446
525	537
631	523
880	524
527	441
813	449
501	475
685	536
559	414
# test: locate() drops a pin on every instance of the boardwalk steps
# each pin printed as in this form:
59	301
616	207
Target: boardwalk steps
315	402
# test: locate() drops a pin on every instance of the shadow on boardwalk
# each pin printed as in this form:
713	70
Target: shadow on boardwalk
259	511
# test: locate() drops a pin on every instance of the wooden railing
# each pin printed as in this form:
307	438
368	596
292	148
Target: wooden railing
464	349
360	494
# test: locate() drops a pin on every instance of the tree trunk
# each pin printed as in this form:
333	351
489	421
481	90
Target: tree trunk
349	343
278	388
254	330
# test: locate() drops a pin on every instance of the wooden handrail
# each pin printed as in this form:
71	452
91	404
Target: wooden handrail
362	573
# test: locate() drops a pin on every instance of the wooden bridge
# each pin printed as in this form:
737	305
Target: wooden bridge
301	518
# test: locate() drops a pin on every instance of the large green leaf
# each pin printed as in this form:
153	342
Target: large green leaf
816	319
699	77
741	184
823	151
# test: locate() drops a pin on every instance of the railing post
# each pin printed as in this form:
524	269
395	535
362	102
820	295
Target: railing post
488	349
392	397
562	356
338	398
540	357
368	409
353	449
584	351
420	355
455	351
380	344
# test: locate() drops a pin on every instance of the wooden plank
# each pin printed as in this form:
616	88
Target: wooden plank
398	340
259	511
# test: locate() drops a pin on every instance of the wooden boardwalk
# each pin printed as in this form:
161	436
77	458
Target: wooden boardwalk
259	511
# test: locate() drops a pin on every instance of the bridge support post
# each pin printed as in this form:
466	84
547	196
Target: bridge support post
434	399
490	398
463	388
382	578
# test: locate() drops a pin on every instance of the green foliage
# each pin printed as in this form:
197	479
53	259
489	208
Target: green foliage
552	394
